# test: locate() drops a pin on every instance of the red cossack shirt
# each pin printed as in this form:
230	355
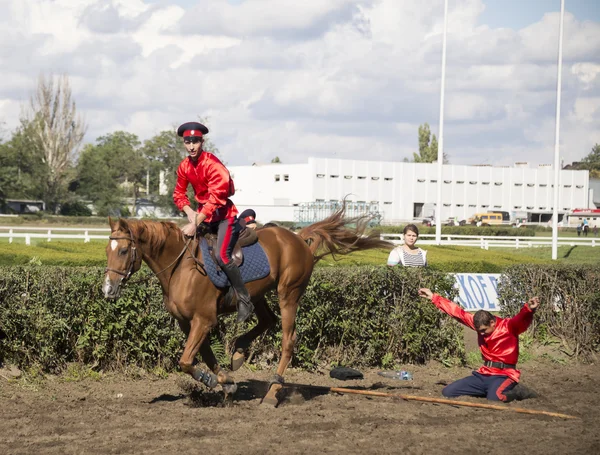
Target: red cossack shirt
502	345
212	187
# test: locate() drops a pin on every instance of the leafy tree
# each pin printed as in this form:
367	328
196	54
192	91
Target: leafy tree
111	170
592	162
58	131
276	160
22	172
428	146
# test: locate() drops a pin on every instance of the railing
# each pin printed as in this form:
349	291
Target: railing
487	242
51	233
481	241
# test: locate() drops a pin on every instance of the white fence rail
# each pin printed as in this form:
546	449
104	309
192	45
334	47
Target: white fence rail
487	242
481	241
12	232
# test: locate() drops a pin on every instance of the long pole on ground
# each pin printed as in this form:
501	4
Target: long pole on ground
436	400
557	138
440	155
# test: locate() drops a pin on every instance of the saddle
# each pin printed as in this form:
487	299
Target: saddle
247	237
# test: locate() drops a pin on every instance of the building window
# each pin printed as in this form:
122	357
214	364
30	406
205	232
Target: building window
485	183
497	206
334	176
567	186
529	207
277	177
387	203
497	183
286	178
579	186
447	181
472	205
420	180
447	205
319	200
484	206
459	205
530	185
374	178
433	181
361	177
517	207
460	182
347	177
543	185
473	182
518	184
387	179
542	208
320	176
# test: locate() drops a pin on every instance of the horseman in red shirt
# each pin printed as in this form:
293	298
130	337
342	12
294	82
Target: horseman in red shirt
498	340
212	186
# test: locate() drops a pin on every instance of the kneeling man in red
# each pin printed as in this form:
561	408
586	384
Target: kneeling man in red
498	340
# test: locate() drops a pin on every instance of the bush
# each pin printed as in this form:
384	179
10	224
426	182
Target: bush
355	316
75	209
496	231
570	303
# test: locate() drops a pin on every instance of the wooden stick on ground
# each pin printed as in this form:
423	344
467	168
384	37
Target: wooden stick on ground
441	401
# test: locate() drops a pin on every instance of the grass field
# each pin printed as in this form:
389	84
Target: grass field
450	258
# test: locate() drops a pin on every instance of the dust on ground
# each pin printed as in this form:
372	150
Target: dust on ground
118	414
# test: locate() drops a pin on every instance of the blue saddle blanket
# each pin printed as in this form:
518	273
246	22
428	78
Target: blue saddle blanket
255	264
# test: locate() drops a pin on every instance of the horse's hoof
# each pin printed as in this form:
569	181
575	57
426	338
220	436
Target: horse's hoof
229	389
270	398
237	360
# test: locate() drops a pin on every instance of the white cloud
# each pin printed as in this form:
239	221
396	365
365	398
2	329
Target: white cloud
295	79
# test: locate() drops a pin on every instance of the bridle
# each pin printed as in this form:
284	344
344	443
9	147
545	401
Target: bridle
132	261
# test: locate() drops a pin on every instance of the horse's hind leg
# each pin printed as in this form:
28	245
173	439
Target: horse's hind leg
289	307
266	319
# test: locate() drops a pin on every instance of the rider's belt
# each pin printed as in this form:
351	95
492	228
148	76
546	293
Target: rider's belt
489	363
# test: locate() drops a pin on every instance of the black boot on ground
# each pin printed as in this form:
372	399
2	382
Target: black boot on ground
245	305
519	393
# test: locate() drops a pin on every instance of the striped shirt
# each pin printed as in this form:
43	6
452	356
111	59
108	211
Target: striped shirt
400	256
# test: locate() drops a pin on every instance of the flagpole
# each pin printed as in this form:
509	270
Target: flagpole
440	155
557	138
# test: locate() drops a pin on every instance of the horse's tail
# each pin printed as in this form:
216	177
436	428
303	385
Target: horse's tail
333	236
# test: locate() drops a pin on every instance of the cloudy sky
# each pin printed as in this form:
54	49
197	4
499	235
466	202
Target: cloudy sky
329	78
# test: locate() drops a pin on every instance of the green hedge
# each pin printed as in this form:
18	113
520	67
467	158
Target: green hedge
359	316
570	303
356	316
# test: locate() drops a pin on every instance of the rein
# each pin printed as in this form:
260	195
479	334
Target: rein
129	271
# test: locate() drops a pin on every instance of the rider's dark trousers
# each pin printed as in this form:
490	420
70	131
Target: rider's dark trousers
228	231
480	385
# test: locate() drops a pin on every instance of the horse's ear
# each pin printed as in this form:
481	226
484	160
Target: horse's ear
113	224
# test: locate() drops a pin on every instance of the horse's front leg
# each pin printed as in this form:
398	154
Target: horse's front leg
223	377
198	333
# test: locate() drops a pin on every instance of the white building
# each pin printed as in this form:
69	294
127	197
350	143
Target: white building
401	190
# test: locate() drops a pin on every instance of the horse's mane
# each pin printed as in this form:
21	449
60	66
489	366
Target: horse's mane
154	234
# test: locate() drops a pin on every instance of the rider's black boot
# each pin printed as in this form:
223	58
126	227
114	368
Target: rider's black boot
245	306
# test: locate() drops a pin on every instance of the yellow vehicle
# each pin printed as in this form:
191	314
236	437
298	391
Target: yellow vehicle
486	218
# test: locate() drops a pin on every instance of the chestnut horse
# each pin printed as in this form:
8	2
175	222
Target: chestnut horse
195	302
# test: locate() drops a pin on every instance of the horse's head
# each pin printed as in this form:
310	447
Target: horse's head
123	258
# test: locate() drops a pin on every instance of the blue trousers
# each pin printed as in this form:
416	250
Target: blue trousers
480	385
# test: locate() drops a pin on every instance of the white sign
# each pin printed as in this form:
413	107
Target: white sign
478	291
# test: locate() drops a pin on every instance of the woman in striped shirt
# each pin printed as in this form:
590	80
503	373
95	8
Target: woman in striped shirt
408	254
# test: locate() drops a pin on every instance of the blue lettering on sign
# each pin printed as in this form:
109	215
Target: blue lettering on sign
461	283
476	292
480	301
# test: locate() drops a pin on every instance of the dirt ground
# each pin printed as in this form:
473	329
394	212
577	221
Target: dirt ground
118	414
